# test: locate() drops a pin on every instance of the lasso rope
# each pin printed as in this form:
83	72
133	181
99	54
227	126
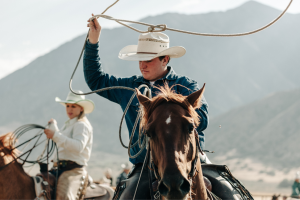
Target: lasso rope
163	27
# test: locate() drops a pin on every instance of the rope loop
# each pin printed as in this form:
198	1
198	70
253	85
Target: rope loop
163	27
157	28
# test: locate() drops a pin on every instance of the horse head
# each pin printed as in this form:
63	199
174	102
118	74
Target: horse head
7	153
170	119
12	173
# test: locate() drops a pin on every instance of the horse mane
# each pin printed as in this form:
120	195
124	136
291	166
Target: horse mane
6	143
167	94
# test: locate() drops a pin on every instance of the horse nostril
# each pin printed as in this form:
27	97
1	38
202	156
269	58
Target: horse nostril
163	189
185	187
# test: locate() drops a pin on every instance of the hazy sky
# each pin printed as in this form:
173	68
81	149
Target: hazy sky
32	28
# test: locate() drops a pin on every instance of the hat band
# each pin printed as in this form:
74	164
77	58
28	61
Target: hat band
70	100
146	53
153	40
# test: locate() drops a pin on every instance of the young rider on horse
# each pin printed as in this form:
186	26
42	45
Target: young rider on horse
153	54
74	141
296	186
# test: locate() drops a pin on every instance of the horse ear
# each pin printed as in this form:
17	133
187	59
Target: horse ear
145	101
195	98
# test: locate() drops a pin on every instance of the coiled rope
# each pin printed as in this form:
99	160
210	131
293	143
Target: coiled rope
151	28
25	128
18	133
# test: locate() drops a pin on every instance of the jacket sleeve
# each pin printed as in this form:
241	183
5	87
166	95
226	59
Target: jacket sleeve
80	138
203	110
96	78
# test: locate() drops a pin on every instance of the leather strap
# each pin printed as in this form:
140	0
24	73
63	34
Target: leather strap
66	165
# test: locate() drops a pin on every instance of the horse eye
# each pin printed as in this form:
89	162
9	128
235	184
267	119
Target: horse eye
191	128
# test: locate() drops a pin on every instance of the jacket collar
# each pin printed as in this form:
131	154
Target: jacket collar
70	122
171	75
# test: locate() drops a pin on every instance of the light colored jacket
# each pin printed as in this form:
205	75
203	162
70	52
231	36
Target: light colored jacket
74	141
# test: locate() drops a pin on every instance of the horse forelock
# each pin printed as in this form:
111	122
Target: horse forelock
6	144
167	95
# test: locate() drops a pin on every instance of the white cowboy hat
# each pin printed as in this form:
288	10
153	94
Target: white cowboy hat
151	45
125	166
297	176
88	105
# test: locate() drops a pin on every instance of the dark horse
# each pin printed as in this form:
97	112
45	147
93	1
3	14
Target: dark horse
169	119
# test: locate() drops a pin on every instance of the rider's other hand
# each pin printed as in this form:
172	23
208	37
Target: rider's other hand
49	133
52	121
52	125
95	30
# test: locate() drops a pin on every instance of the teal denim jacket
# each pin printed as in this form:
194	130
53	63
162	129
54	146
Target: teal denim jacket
96	79
296	189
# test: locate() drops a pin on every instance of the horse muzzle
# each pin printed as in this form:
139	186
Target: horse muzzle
174	187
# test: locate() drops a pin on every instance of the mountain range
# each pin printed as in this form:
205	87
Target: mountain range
266	130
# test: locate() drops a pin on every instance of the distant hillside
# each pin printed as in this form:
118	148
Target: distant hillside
237	71
266	131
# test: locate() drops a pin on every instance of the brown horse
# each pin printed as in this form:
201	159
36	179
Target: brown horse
14	182
169	119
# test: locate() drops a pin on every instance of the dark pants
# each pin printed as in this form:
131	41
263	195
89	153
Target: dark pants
126	188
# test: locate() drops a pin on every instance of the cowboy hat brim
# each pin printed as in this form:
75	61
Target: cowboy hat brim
87	105
130	53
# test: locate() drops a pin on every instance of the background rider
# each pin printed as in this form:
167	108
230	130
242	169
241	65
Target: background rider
74	141
296	186
124	173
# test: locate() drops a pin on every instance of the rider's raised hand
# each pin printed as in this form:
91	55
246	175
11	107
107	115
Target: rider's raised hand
95	30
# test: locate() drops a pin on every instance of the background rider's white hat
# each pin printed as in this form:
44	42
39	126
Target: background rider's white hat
125	166
297	176
151	45
88	105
